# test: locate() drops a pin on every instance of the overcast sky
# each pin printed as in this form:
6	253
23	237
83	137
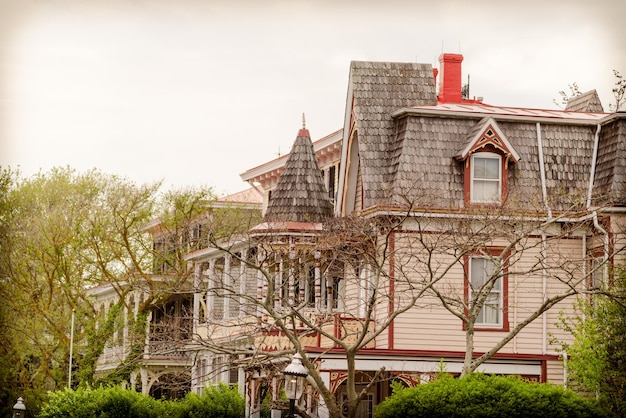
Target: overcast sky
196	92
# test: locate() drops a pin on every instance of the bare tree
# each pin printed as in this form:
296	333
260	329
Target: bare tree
565	96
618	91
340	286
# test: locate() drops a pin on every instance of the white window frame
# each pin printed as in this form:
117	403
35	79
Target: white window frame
498	195
366	287
597	277
498	289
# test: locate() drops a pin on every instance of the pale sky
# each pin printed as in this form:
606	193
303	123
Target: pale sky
196	92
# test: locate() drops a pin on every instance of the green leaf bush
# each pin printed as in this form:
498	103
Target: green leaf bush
479	395
216	401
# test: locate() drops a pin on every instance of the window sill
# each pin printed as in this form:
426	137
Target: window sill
493	328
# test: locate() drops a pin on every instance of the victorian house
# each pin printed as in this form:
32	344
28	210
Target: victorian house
163	365
432	232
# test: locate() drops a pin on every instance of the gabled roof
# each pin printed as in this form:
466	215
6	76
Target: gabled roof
246	199
586	102
245	196
375	91
300	195
487	132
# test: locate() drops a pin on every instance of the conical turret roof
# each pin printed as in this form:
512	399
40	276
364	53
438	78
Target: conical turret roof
300	195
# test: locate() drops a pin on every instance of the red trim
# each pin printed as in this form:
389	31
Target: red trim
436	354
544	371
390	329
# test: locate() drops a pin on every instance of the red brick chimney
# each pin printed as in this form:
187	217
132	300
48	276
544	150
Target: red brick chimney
450	80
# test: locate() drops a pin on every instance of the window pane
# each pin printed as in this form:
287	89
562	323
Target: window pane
490	313
486	190
491	190
481	270
486	181
479	167
477	273
492	168
486	168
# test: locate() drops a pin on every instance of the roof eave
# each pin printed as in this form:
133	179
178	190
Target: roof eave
438	112
278	163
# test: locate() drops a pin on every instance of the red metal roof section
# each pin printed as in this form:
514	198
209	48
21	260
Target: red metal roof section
488	110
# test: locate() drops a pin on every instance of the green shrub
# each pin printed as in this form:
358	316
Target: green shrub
484	396
69	403
220	401
103	402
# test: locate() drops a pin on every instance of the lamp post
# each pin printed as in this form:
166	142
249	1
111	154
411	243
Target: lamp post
295	375
19	409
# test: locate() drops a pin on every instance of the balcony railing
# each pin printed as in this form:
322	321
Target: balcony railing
347	329
168	340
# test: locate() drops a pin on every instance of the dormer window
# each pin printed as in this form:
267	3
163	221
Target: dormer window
486	156
486	177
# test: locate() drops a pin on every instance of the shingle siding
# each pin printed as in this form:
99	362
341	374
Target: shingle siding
300	195
568	153
586	102
422	169
610	179
379	88
524	176
426	172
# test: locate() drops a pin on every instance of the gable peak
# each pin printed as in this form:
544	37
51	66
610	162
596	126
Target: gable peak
487	132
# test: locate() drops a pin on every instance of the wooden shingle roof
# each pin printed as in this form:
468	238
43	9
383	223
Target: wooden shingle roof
378	89
610	178
428	172
586	102
300	195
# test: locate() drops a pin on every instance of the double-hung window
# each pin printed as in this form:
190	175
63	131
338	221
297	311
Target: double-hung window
597	277
481	275
486	183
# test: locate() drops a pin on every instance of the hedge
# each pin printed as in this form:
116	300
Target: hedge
216	401
479	395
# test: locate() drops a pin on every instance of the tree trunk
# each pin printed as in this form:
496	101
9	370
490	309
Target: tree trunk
468	366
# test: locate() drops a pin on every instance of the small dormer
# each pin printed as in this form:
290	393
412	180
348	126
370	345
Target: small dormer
486	156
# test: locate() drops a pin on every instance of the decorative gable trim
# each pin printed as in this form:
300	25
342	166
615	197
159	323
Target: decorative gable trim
487	132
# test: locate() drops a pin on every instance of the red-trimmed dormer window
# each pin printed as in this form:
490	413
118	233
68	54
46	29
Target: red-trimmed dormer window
486	155
486	177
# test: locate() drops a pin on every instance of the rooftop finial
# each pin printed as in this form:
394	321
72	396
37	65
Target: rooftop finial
303	121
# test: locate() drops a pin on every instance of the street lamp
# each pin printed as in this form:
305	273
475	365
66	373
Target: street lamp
19	409
295	375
